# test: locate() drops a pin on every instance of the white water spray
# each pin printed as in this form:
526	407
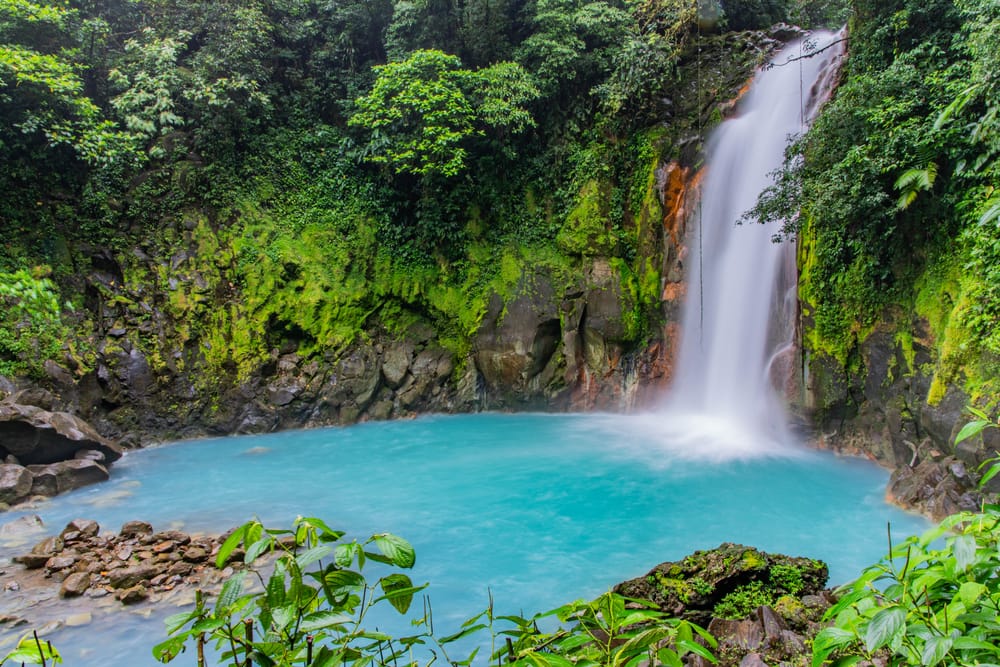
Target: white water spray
740	308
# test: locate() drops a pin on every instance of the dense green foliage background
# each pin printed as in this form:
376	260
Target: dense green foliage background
304	171
334	165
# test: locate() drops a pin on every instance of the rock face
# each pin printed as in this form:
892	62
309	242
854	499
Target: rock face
762	608
880	408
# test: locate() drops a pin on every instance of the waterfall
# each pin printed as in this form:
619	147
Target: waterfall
740	307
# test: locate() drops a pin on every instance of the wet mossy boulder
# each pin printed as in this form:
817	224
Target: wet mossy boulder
728	582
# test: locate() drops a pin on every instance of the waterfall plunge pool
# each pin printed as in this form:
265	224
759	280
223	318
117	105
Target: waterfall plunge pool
539	509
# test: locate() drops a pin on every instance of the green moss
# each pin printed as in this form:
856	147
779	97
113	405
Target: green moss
585	230
743	601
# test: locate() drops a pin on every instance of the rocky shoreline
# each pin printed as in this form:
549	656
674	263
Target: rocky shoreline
67	579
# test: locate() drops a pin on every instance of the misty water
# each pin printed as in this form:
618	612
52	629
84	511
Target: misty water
543	509
540	509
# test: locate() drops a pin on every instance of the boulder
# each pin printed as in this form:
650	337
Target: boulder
729	581
135	529
83	527
15	483
37	436
54	478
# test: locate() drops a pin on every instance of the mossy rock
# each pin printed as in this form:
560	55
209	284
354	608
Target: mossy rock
729	581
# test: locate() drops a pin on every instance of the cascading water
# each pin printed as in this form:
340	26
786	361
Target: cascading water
740	307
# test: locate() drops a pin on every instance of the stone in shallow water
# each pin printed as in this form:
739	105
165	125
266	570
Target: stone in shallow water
76	620
75	584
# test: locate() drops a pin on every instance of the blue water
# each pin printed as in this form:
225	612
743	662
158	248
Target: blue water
538	509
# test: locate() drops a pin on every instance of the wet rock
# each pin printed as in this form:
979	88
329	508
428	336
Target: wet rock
50	545
32	561
58	563
83	528
692	588
75	585
126	577
135	529
396	363
37	436
133	595
55	478
15	483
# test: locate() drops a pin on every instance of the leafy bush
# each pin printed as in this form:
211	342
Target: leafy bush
312	602
926	603
31	328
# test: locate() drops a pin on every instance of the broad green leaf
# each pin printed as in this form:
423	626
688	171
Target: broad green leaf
396	549
326	534
884	626
669	657
230	545
970	592
275	592
175	622
257	548
338	579
697	649
210	624
827	640
964	548
344	554
963	643
283	617
324	619
971	429
30	651
169	649
398	590
310	556
231	591
934	650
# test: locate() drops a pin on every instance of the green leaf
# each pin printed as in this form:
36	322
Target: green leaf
338	579
396	549
167	650
231	591
935	649
312	555
964	548
669	657
970	592
324	619
275	592
990	474
398	590
230	545
884	626
257	548
696	648
32	652
971	429
175	622
326	534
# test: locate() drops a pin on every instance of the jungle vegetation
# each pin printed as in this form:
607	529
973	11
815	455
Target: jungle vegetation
333	165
